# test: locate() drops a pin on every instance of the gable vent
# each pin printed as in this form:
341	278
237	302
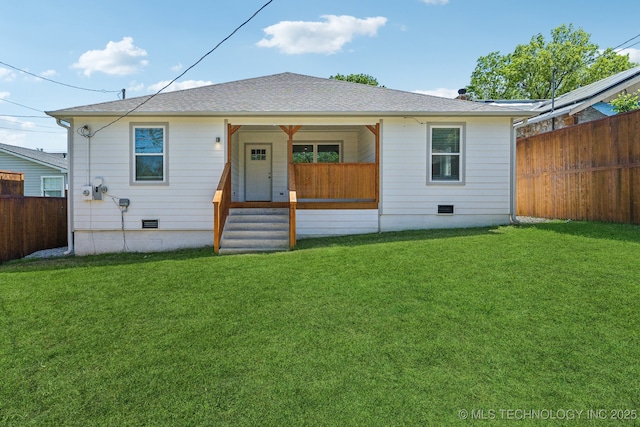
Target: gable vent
445	209
149	223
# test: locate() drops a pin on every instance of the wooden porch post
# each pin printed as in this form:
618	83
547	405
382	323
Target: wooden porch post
290	131
230	131
293	198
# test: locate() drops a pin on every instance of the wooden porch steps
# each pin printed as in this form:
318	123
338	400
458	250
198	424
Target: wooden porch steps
250	230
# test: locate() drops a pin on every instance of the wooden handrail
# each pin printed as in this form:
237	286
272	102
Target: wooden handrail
221	203
293	201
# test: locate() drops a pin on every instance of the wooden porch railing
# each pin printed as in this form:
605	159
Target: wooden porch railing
293	201
346	181
221	203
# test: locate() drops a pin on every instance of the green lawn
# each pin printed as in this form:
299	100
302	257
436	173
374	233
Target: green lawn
409	328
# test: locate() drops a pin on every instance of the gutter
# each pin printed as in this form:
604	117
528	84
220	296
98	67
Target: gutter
70	191
512	182
505	112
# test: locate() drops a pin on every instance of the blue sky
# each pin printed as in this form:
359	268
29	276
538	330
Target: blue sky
429	46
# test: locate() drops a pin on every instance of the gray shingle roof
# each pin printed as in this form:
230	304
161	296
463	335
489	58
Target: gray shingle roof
289	93
48	159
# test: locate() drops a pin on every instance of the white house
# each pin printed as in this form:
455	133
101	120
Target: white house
257	163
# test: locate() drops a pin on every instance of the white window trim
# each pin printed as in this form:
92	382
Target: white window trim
62	187
315	144
132	153
463	145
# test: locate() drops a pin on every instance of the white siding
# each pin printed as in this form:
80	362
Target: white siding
195	163
407	201
321	222
366	146
32	172
185	213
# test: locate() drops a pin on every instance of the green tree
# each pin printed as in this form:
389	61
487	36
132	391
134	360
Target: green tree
607	64
569	59
626	102
365	79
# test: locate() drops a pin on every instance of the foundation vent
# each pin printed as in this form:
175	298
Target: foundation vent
149	223
445	209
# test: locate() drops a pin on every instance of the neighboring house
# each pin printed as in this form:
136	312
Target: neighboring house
337	157
45	174
582	105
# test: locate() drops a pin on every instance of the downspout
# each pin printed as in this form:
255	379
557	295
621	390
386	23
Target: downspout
70	191
512	181
380	186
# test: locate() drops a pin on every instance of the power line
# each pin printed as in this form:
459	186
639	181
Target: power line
630	46
17	122
20	105
58	83
25	117
618	47
185	71
613	49
31	131
623	43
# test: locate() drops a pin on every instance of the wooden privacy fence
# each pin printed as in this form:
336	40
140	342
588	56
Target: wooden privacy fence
585	172
30	224
11	183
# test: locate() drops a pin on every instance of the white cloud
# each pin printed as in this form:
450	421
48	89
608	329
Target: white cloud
634	54
441	92
9	119
187	84
435	1
45	74
6	74
118	58
16	121
176	67
4	95
13	138
297	37
135	86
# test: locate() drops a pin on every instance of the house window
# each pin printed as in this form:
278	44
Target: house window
317	153
149	154
52	186
446	153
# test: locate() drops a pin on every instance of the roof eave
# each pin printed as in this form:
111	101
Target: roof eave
474	113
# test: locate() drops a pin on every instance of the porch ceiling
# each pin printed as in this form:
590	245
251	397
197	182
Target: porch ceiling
307	128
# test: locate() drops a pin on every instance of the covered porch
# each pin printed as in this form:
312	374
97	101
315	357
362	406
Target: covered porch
298	167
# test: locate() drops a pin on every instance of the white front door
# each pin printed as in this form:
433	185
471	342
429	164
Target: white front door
257	172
